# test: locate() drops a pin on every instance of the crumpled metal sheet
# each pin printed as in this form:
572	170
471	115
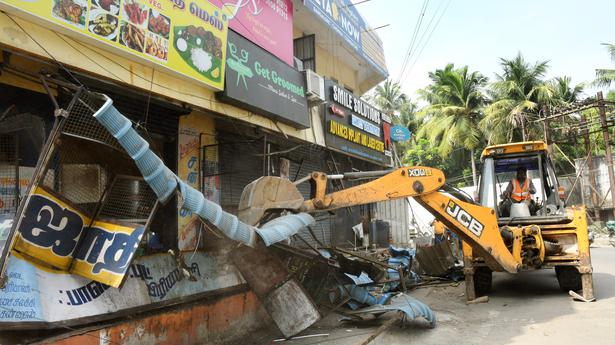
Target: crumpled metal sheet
410	306
164	183
436	260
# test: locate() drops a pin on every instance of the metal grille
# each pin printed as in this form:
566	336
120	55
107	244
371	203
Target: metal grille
82	124
129	199
89	169
9	175
305	50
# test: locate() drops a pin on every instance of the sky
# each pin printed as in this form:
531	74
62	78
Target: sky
478	33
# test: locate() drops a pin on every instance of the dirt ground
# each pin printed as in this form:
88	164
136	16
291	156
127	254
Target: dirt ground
525	309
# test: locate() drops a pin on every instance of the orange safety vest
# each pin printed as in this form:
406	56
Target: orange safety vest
521	193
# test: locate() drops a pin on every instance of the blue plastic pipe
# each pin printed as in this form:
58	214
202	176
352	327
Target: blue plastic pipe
164	183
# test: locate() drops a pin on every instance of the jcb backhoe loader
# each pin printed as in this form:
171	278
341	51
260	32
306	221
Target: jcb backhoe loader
552	236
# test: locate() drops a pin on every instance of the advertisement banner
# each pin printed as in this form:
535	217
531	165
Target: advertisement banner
260	82
356	128
346	21
267	23
34	293
181	36
55	234
196	131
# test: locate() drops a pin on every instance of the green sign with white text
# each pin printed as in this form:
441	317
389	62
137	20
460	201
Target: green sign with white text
259	81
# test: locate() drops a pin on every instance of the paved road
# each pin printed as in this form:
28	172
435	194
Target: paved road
525	309
529	309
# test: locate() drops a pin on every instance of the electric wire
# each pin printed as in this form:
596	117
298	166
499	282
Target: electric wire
427	41
413	39
58	63
422	35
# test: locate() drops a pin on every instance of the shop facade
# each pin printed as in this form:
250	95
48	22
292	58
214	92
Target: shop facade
249	115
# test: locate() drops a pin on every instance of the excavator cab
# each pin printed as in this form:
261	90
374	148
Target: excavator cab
500	164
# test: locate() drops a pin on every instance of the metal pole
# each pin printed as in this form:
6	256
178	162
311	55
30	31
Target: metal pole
607	147
547	134
590	168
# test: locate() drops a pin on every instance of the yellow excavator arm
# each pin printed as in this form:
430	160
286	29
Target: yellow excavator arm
476	225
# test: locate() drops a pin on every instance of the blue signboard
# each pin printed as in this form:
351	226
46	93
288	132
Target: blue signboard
345	20
400	133
365	125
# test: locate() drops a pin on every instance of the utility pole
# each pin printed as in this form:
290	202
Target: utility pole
590	167
547	134
607	148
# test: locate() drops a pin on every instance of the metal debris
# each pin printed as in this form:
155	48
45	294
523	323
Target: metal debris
411	308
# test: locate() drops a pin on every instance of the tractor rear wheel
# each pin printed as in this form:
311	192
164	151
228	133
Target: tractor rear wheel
568	278
482	281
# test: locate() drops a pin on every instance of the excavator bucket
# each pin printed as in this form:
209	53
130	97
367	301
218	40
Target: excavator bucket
266	193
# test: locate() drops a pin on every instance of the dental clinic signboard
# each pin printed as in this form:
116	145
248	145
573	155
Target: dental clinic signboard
343	18
260	82
356	128
268	23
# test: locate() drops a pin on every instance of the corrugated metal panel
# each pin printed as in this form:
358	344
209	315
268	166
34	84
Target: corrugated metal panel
239	165
304	160
395	212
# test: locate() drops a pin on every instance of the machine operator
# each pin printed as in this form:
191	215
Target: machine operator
519	190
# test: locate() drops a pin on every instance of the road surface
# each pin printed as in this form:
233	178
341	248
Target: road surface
525	309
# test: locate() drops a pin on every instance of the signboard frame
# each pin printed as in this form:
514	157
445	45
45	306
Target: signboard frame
264	85
176	64
339	110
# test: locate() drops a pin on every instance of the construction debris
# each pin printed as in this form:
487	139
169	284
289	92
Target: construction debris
411	308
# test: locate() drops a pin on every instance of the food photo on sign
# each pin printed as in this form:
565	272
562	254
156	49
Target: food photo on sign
185	38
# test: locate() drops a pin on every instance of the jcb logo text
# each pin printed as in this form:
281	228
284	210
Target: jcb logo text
463	217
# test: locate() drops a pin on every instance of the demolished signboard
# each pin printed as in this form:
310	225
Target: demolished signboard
74	217
187	38
60	236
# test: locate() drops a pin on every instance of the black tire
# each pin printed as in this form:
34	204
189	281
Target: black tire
568	278
482	281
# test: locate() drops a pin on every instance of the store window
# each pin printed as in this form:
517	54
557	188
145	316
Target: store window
305	50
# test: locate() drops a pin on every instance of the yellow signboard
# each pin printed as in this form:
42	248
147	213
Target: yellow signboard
355	136
183	36
55	234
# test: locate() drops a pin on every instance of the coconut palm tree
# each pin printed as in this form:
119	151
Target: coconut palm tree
389	97
518	93
451	119
605	76
564	92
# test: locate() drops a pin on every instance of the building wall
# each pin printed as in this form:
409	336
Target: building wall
333	68
202	322
85	57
